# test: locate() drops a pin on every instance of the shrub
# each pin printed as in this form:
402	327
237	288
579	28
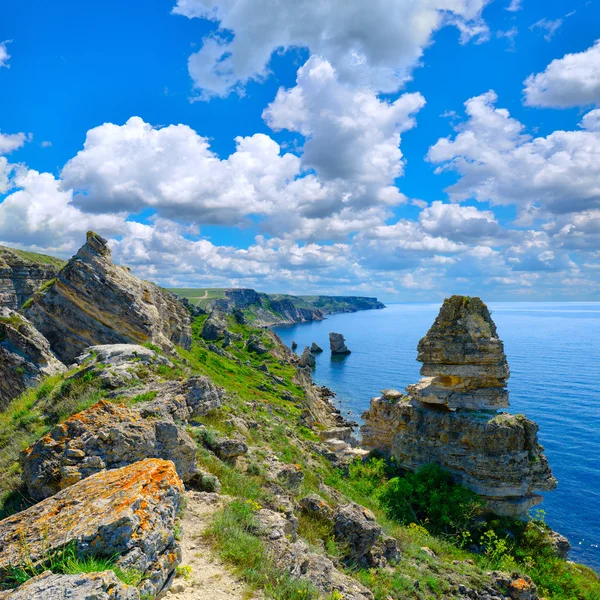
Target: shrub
431	497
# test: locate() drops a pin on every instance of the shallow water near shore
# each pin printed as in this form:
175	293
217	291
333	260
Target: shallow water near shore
553	350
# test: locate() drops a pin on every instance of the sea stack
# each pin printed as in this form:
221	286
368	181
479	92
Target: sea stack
337	343
450	416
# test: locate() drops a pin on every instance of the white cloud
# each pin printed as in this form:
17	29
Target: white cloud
460	223
376	43
498	163
510	36
4	55
549	26
173	171
515	5
11	141
40	216
591	121
573	80
350	133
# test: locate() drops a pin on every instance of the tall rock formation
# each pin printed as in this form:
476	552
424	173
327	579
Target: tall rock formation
337	343
92	302
22	274
450	417
25	356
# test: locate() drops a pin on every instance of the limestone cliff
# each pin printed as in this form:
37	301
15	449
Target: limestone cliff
450	417
92	301
22	274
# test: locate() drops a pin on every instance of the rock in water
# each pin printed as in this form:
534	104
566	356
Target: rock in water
25	356
337	343
307	359
92	302
127	513
315	348
450	417
105	436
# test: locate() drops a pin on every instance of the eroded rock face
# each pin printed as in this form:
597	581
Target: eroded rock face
93	302
25	356
129	513
337	343
105	436
85	586
463	359
450	417
22	274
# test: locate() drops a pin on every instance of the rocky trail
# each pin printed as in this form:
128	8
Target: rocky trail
205	576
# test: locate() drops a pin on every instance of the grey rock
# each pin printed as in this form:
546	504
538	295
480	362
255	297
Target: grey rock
94	302
25	356
105	436
294	345
315	348
228	449
337	343
315	505
560	544
214	327
85	586
307	359
356	529
255	344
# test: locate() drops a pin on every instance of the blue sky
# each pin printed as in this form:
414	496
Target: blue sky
357	168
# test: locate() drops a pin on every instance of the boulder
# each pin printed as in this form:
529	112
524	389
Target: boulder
294	345
307	359
315	348
93	302
314	505
229	449
105	436
118	365
449	418
84	586
255	344
127	513
25	356
214	327
356	529
337	343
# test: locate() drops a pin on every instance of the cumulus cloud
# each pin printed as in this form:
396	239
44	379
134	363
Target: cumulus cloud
11	141
573	80
173	171
456	222
499	163
591	121
350	133
515	5
375	44
4	55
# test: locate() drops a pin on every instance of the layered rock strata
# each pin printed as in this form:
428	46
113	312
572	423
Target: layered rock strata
450	417
92	302
129	512
105	436
25	356
22	274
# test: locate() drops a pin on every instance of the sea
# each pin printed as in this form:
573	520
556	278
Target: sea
553	351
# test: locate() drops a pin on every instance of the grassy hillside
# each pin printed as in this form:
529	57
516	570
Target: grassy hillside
11	256
430	517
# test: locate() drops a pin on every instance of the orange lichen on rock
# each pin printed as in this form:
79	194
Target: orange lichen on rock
128	512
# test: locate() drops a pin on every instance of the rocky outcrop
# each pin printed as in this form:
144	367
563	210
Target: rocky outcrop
315	348
92	302
25	356
105	436
127	513
22	274
84	586
450	417
337	343
307	359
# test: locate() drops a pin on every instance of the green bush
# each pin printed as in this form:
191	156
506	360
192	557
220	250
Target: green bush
432	498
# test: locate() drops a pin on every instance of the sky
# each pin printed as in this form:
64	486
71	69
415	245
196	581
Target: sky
404	149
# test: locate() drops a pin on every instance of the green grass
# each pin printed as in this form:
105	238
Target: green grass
31	257
199	296
67	561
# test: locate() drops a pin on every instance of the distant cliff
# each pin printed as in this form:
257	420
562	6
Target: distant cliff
276	309
23	273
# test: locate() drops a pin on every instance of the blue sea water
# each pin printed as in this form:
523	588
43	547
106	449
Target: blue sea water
553	351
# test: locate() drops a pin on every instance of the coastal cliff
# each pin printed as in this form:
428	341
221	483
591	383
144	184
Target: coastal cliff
450	416
24	273
212	466
267	310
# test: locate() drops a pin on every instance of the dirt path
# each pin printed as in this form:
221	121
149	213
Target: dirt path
209	578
